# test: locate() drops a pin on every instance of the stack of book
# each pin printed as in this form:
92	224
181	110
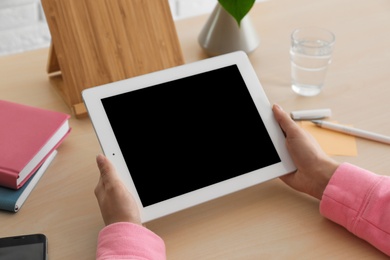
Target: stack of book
29	138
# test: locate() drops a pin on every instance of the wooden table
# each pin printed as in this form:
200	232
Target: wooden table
267	221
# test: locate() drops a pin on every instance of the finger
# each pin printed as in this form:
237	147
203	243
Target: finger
284	120
102	165
288	178
105	169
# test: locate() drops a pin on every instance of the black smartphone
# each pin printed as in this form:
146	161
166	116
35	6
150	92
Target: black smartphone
31	246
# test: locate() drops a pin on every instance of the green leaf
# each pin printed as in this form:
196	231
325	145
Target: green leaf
237	8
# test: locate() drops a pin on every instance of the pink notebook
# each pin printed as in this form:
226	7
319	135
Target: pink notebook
27	136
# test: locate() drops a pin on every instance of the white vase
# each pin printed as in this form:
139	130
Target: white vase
221	34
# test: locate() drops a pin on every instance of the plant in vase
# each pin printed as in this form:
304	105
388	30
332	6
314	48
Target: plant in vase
237	8
229	28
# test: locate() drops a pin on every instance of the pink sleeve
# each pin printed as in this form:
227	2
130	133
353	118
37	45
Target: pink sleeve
359	200
125	240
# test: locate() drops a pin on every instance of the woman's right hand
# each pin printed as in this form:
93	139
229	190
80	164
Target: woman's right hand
314	166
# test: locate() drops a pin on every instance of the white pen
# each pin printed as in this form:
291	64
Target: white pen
353	131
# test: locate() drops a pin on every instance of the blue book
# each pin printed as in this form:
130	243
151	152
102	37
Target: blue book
12	200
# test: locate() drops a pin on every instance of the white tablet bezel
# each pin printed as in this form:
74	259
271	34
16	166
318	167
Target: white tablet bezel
92	99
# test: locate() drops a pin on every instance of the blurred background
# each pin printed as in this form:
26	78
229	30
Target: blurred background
23	25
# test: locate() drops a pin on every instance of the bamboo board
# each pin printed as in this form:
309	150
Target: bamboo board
95	42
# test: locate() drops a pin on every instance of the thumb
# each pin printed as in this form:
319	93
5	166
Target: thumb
106	168
288	125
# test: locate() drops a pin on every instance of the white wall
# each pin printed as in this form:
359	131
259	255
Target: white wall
22	26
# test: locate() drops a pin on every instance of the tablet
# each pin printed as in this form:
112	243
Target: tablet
189	134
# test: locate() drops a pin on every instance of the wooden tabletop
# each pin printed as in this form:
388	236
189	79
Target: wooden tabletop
267	221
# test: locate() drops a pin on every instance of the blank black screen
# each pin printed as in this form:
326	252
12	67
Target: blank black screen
29	251
189	133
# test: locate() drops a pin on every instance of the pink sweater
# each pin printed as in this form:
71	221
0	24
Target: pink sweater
124	240
354	198
360	201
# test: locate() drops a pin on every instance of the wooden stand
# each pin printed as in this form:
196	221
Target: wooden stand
95	42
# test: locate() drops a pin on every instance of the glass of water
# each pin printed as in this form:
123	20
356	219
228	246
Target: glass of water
310	54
